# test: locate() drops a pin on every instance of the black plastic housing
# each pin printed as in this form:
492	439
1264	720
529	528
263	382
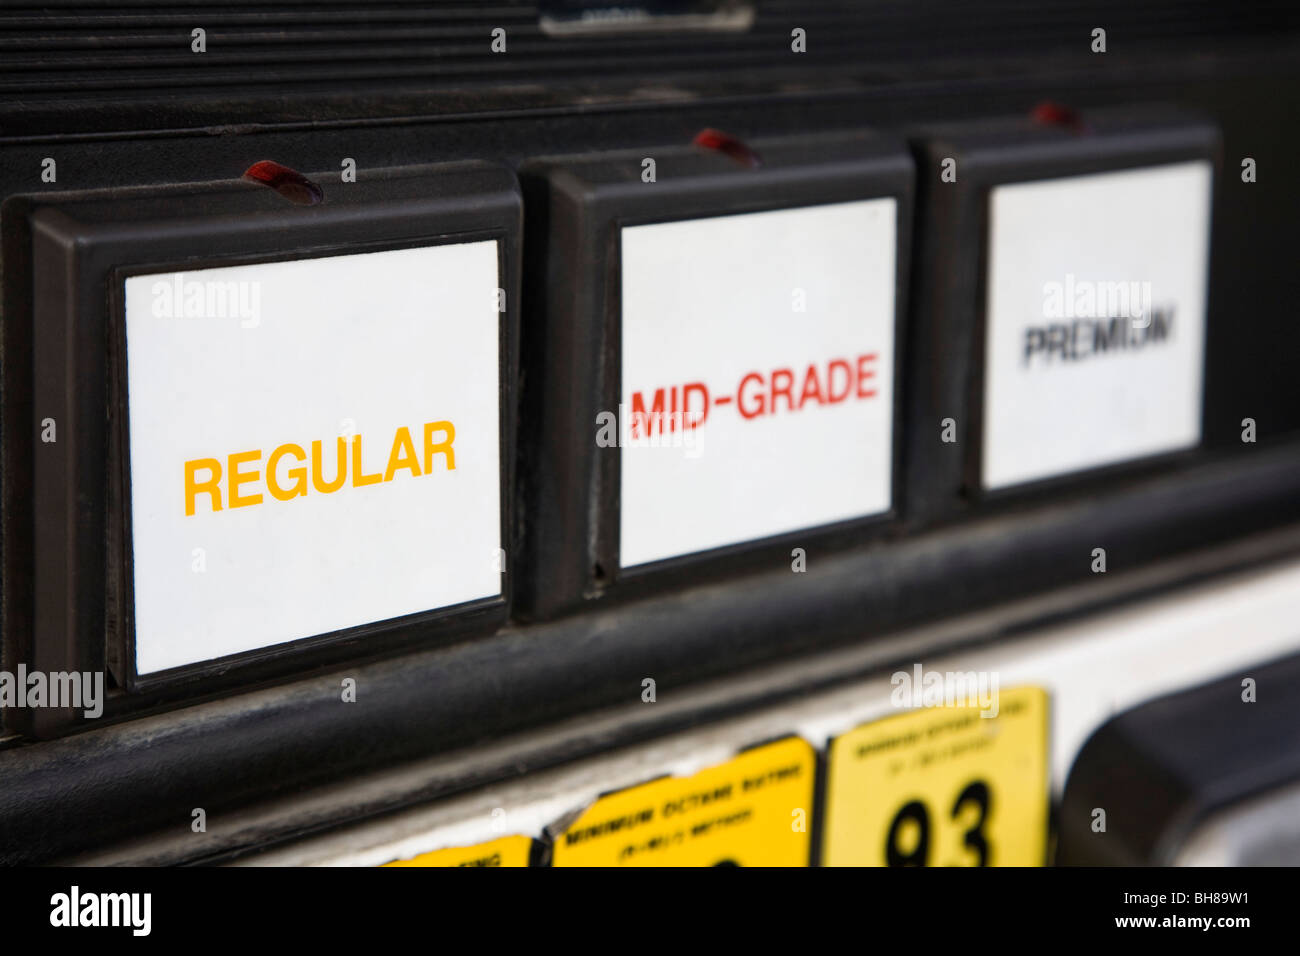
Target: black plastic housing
577	206
948	332
1161	769
67	503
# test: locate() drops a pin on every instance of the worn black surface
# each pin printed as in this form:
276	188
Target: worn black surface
1162	767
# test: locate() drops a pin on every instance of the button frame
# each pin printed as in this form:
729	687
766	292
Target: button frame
81	247
951	277
577	206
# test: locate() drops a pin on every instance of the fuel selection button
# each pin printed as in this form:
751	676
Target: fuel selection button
717	370
1062	300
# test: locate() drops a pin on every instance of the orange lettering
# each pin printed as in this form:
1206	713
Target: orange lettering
212	486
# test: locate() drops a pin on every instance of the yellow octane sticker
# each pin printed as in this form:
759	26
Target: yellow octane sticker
507	851
943	786
753	810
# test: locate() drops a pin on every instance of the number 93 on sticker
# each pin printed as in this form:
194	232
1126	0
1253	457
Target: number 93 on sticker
942	786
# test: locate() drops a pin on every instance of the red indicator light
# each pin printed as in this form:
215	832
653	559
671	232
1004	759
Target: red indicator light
289	183
1054	114
729	145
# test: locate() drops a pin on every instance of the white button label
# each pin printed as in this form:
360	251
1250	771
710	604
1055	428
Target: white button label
757	375
314	445
1095	320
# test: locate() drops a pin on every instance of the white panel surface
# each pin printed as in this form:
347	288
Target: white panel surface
240	361
778	329
1095	330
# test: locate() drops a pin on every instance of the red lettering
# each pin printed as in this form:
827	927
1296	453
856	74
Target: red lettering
643	423
832	396
788	377
812	387
757	395
688	419
754	410
865	374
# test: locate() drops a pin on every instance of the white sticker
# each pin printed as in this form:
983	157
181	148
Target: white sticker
765	343
1095	321
314	446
